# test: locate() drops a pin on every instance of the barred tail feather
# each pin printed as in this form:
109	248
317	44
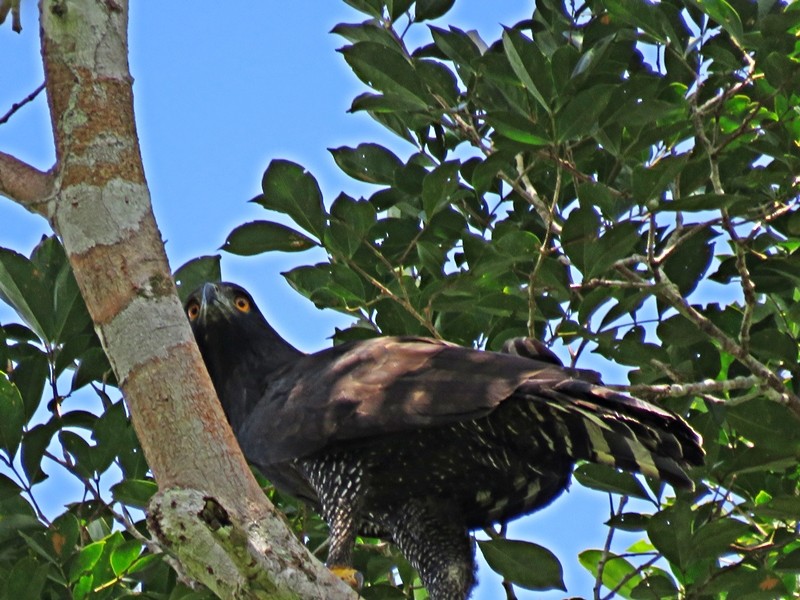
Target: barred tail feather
600	425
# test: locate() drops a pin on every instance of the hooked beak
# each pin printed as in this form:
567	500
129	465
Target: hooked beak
212	301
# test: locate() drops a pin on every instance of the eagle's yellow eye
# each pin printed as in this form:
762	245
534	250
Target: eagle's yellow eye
242	303
193	310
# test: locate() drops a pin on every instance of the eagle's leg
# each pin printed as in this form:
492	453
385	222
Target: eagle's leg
342	523
338	490
437	544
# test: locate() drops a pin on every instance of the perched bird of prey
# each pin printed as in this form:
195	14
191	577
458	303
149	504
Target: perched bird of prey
417	440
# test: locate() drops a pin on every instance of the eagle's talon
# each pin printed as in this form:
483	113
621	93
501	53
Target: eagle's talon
349	575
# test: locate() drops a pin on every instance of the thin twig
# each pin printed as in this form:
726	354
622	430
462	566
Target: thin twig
598	585
748	287
628	576
591	284
402	301
528	191
543	249
16	106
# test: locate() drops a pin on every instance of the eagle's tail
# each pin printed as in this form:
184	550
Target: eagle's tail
591	422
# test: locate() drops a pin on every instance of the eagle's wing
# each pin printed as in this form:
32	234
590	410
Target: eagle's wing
383	385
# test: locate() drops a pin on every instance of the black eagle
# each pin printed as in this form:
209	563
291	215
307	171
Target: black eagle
417	440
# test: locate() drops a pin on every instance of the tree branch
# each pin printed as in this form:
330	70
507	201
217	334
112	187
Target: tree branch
25	184
677	390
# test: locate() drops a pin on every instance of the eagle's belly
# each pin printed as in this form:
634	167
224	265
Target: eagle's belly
479	472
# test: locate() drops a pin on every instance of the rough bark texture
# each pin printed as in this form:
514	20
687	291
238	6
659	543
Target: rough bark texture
97	201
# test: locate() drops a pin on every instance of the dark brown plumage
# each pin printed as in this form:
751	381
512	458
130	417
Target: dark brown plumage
418	440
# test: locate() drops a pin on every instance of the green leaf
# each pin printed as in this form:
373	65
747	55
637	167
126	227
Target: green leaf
64	534
358	215
651	181
17	516
670	532
12	416
439	188
656	584
367	162
328	286
93	365
8	487
677	330
615	244
134	492
350	222
83	587
608	479
83	453
387	71
439	80
687	264
398	7
525	564
368	31
86	560
579	237
191	275
520	128
373	8
629	521
124	556
21	288
457	45
616	570
580	115
789	562
715	538
34	444
768	344
112	432
26	580
645	16
257	237
530	65
724	14
70	315
386	104
290	189
601	196
431	9
767	424
30	376
518	245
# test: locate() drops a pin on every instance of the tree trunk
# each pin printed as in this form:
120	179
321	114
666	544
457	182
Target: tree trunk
97	201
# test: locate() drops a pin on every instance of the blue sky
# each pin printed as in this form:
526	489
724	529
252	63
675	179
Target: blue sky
220	90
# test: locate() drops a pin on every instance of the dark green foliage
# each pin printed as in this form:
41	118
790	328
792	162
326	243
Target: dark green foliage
513	560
